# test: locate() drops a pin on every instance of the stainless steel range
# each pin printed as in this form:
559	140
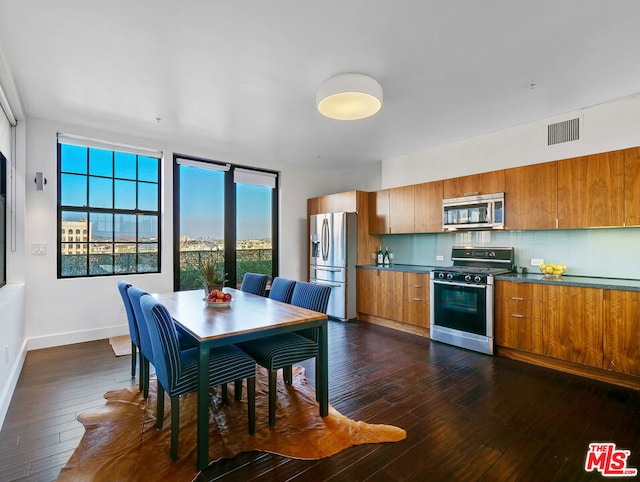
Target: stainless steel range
462	297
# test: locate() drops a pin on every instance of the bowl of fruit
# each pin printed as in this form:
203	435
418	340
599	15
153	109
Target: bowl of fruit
217	299
552	270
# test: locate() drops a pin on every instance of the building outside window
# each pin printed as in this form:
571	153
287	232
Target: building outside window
108	208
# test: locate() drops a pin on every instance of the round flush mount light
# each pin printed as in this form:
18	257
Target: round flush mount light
349	97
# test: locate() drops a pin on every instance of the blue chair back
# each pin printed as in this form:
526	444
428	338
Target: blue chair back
135	295
123	287
311	296
282	289
255	283
164	342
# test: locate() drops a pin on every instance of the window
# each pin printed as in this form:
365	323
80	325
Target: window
226	214
3	220
109	208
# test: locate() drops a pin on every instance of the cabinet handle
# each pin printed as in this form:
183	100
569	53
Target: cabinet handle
516	315
417	286
416	299
517	299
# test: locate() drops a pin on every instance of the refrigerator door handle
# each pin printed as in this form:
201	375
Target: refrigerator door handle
325	239
335	285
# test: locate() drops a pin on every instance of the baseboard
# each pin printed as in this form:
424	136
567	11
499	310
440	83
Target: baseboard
59	339
12	381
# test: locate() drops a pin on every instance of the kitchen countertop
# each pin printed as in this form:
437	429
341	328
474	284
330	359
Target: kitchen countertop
565	280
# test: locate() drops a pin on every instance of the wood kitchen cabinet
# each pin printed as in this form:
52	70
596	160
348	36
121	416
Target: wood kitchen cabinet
621	332
632	186
483	183
531	196
379	292
334	203
519	312
428	207
572	329
392	211
591	191
415	309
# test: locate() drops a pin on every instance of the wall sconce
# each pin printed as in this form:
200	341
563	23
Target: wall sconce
40	181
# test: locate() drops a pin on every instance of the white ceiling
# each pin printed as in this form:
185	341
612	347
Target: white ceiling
239	77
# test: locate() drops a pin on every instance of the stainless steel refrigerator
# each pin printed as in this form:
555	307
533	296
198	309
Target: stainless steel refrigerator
332	259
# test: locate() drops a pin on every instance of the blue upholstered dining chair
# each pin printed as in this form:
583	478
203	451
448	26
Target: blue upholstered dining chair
282	351
255	283
123	287
146	352
281	289
177	370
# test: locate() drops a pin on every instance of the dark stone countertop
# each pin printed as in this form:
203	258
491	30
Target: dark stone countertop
566	280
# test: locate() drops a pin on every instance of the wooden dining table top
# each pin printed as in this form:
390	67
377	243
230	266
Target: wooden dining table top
246	314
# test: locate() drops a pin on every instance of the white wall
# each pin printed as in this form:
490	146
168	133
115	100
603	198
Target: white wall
74	310
604	127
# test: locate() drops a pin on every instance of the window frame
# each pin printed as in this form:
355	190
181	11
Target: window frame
3	225
230	228
89	144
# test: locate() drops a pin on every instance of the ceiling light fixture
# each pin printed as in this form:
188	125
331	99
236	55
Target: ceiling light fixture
349	97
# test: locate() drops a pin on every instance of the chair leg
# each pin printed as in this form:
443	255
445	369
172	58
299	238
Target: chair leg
146	378
287	374
160	407
318	370
237	389
175	426
273	375
134	352
224	394
251	401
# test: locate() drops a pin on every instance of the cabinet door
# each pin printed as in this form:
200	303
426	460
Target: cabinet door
401	209
632	186
572	329
428	207
368	285
416	299
379	212
519	316
483	183
531	196
622	331
590	191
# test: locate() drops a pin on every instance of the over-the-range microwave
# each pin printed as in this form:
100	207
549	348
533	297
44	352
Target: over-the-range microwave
483	211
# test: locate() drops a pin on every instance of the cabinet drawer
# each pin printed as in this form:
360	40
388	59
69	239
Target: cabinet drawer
520	307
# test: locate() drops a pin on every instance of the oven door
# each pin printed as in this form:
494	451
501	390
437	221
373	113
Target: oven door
462	315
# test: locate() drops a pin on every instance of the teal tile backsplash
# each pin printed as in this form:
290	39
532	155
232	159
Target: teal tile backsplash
606	252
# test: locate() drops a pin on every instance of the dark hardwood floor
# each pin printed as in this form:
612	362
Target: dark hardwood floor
468	416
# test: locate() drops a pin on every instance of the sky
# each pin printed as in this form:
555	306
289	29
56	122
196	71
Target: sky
202	206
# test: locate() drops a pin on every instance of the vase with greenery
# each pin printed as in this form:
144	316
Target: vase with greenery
213	276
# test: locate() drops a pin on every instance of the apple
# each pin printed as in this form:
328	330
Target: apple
227	297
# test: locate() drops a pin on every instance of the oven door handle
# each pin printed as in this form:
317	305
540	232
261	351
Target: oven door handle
453	283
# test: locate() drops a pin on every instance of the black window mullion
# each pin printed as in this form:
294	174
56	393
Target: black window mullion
230	236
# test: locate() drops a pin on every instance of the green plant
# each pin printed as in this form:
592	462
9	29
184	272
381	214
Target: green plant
212	274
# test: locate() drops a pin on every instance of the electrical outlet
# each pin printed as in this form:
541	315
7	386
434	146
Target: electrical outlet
439	258
537	261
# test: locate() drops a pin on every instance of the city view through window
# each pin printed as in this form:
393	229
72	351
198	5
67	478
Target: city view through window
204	224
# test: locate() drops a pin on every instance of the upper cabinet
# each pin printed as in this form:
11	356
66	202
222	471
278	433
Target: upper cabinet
591	191
428	207
483	183
416	208
531	186
632	186
333	203
392	211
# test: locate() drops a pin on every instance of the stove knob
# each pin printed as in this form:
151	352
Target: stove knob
449	276
440	275
467	278
477	279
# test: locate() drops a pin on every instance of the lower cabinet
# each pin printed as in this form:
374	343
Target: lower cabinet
588	327
621	332
394	298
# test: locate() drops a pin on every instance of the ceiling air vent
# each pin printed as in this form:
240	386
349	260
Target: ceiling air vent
563	131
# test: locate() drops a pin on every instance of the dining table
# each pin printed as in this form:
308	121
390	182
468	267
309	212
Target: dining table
246	317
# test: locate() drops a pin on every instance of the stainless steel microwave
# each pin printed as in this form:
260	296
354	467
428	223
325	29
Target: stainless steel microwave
484	211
